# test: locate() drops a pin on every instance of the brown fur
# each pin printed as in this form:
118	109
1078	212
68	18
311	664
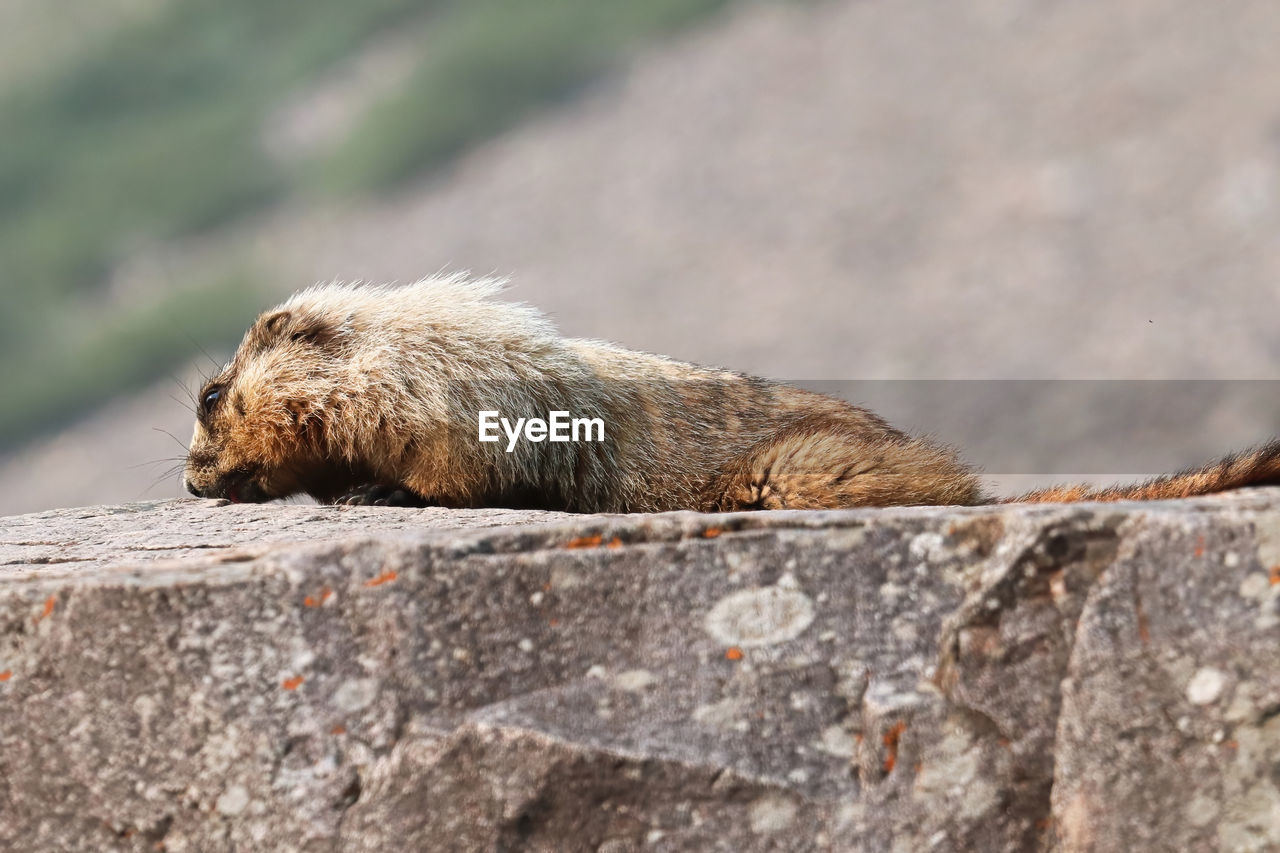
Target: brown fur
371	394
1258	467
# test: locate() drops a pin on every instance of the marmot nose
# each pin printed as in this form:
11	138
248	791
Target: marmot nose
191	487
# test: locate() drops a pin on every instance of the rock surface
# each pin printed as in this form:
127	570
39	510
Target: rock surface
191	676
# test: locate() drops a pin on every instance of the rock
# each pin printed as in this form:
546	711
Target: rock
195	676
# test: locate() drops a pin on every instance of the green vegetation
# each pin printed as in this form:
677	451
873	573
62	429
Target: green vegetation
491	63
96	360
155	133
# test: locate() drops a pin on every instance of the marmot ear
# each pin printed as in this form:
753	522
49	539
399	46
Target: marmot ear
297	326
273	324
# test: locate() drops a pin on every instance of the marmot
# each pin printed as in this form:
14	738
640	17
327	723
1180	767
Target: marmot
373	394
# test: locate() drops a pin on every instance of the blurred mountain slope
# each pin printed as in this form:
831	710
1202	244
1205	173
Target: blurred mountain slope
894	190
36	35
856	189
160	130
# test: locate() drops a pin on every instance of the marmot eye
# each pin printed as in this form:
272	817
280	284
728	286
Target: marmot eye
210	399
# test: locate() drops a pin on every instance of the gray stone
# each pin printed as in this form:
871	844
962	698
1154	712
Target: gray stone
192	676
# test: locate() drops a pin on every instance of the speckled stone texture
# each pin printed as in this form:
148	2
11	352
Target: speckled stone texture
193	676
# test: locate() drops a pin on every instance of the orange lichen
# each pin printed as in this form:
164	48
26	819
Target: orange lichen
385	577
1274	575
49	603
615	542
711	532
891	738
733	653
6	675
292	683
338	730
314	601
553	622
1200	547
585	542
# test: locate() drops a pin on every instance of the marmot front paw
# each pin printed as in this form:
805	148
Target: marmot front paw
379	495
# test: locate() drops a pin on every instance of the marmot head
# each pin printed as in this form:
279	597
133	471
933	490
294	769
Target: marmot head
261	422
337	387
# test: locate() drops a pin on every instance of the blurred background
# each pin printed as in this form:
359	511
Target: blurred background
974	191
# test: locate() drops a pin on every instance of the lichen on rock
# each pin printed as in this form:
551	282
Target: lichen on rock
204	677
